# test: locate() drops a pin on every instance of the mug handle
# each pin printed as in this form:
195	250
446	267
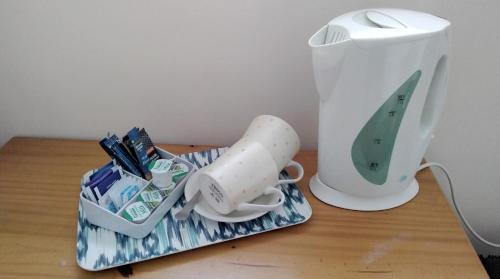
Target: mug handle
269	190
264	207
300	174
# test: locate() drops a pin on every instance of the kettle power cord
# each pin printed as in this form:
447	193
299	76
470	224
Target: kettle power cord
471	229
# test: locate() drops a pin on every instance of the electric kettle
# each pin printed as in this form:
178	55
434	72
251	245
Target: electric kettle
381	75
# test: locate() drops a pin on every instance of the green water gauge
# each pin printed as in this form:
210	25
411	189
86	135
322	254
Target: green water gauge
373	146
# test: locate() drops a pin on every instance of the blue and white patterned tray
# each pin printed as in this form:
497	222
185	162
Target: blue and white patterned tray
98	248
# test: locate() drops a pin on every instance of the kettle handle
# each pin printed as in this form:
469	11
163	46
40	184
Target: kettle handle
434	101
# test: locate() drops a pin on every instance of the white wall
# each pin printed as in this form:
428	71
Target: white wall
197	71
467	138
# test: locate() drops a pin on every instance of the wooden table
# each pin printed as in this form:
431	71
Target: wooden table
39	185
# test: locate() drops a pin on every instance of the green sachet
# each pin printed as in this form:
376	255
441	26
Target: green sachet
152	196
179	170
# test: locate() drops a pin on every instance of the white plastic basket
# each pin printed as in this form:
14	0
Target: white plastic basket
102	217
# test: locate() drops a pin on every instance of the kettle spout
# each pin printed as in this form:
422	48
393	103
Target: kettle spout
329	46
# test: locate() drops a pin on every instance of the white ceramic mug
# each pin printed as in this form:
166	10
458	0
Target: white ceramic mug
277	136
244	172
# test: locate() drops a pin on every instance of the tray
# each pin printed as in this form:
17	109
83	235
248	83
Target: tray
98	248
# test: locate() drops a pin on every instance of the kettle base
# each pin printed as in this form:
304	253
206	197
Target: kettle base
344	200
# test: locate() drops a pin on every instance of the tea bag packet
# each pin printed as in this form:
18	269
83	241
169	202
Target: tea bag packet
140	144
110	188
123	191
99	172
116	150
117	191
96	188
107	203
136	152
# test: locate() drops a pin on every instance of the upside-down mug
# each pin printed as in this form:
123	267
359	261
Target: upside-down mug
251	168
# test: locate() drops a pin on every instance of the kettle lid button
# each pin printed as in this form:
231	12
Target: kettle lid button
382	20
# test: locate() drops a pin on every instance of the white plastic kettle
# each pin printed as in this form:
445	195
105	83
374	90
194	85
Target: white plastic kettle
381	78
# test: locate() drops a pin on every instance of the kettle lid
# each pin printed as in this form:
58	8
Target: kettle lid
387	23
383	20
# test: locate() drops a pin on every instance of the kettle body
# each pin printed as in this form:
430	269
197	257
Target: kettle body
381	75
